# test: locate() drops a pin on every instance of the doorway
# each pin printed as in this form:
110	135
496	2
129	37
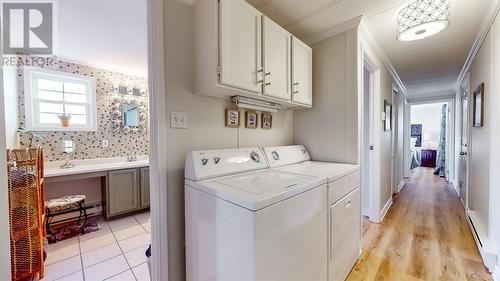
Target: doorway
430	137
156	90
367	138
463	165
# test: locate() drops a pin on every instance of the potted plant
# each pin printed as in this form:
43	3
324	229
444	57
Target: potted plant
64	119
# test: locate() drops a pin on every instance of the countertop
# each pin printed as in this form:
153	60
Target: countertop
53	169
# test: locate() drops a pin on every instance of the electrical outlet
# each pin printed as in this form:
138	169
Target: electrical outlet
178	120
105	143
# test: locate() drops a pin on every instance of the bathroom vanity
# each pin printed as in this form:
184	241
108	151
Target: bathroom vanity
124	184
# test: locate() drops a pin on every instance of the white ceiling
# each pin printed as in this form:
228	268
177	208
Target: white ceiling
106	34
428	67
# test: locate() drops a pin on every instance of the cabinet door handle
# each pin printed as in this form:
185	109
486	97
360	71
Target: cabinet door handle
268	73
296	83
295	92
268	83
348	204
259	80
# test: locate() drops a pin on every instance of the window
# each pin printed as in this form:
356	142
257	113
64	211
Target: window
51	93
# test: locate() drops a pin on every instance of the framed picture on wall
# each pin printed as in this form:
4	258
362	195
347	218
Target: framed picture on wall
388	116
232	117
251	120
478	106
267	120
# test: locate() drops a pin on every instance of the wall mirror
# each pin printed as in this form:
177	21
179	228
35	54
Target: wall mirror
129	114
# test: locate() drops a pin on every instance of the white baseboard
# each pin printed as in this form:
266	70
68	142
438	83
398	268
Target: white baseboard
400	186
496	273
384	211
365	212
483	243
455	186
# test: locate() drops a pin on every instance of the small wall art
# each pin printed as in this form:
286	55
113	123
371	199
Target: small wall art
388	116
478	106
267	120
251	120
232	117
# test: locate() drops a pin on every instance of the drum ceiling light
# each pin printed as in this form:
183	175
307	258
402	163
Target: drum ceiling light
423	18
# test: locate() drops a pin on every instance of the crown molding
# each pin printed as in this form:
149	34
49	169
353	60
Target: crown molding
341	28
483	32
365	29
362	24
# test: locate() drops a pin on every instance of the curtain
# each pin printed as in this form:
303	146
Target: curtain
441	153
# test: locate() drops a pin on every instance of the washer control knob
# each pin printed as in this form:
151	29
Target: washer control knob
204	161
275	155
255	157
216	160
304	151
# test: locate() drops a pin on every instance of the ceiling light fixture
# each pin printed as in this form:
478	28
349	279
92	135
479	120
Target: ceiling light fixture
423	18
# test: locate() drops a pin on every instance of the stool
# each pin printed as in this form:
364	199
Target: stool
65	205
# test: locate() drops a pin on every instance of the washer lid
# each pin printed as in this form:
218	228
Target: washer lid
331	171
257	190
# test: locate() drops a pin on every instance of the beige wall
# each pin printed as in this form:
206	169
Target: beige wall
329	129
495	143
484	189
480	137
206	125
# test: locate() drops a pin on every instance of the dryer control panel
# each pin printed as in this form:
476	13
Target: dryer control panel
286	155
208	164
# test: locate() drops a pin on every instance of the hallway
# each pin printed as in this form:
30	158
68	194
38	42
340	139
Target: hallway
424	236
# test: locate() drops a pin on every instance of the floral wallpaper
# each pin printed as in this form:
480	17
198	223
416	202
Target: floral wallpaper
88	144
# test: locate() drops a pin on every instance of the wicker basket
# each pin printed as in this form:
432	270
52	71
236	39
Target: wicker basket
26	212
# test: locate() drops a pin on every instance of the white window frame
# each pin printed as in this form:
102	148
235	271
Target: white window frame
32	120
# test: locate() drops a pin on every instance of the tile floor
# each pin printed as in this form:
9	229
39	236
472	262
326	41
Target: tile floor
115	252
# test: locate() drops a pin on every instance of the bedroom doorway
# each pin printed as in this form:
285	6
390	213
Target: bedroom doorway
431	138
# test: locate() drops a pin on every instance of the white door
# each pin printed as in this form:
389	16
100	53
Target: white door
301	72
276	60
240	46
464	140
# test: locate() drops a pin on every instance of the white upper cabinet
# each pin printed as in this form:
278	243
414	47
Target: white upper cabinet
301	73
276	60
237	51
240	46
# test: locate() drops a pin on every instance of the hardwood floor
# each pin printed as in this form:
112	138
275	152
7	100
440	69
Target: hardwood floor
424	236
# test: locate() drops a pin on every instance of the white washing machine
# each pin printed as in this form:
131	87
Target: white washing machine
247	222
344	201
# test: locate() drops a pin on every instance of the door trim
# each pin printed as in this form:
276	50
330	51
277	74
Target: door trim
158	141
5	267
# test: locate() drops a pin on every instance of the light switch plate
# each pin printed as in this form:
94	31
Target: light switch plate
178	120
105	143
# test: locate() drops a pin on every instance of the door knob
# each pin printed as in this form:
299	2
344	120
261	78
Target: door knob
463	153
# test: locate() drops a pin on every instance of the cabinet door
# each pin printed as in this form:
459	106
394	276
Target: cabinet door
144	187
240	46
276	54
301	72
122	191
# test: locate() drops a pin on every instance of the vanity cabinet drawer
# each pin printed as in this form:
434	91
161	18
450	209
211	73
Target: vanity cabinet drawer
345	221
343	186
